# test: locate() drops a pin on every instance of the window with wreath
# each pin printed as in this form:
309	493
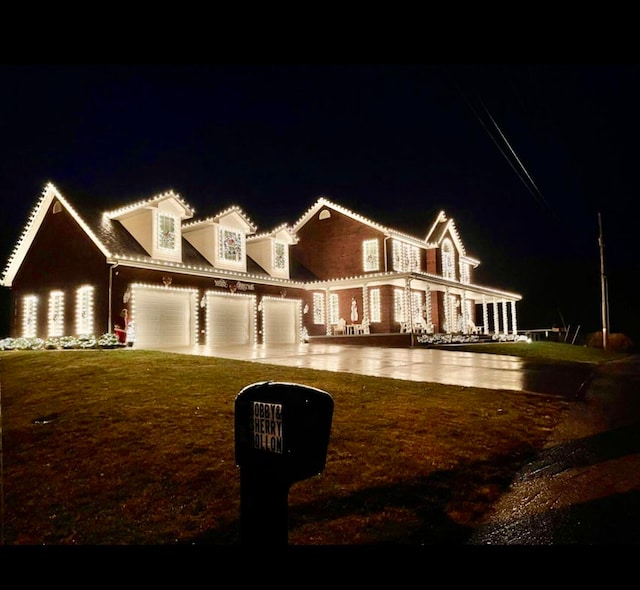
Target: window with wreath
167	228
230	245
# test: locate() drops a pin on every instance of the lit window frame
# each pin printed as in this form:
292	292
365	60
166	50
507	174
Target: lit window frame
167	227
318	308
56	313
371	255
399	312
334	308
405	257
280	255
30	316
231	245
375	306
448	260
85	310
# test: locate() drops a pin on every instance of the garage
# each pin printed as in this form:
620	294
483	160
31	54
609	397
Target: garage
281	320
231	319
164	317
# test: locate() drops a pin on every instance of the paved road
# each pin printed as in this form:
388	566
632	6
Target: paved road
584	488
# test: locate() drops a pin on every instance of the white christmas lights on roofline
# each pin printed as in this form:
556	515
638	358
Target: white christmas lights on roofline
122	259
217	216
272	233
50	191
323	201
147	202
436	278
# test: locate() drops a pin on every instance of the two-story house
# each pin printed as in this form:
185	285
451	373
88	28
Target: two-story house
373	279
153	269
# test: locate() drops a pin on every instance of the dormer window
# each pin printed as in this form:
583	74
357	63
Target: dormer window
167	225
230	245
279	255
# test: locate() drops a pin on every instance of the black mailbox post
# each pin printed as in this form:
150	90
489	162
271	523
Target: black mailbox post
281	436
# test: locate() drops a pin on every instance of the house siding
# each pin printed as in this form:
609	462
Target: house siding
61	257
341	252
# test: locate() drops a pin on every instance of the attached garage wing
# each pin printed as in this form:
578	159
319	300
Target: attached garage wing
164	317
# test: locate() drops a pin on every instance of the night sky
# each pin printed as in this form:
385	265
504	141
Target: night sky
522	156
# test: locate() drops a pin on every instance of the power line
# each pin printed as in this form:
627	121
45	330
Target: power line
501	141
528	182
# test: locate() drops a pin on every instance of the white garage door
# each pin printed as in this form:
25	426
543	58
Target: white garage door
281	318
163	318
230	319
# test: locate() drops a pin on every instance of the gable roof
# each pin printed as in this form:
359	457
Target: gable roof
441	226
234	213
30	230
127	210
387	231
283	232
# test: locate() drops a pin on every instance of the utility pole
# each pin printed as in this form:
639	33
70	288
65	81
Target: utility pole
603	287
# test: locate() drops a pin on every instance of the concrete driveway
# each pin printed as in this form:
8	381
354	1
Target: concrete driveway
467	369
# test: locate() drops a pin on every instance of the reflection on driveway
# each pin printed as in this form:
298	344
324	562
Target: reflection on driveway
467	369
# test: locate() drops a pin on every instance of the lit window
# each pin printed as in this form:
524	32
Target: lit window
318	308
399	314
465	273
30	316
230	245
166	231
279	255
448	260
374	305
56	313
84	311
370	254
405	257
416	306
334	312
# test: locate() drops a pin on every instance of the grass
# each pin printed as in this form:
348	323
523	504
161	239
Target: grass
128	447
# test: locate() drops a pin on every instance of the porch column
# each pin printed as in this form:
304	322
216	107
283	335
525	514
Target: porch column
428	318
408	307
496	318
365	307
327	313
447	311
485	316
505	317
514	323
466	316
